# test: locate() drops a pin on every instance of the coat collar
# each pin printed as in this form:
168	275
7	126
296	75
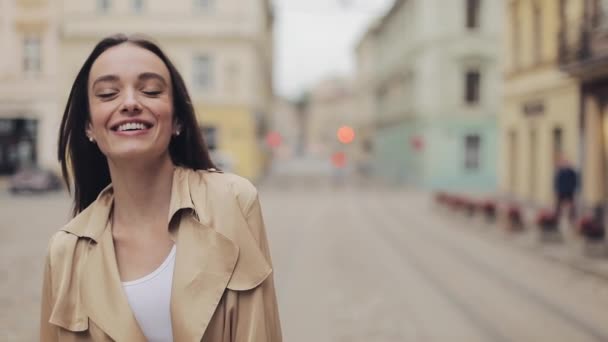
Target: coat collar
205	263
91	223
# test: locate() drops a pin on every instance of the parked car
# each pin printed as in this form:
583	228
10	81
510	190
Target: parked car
34	179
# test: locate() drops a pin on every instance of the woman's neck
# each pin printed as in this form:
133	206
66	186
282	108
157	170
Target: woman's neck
142	193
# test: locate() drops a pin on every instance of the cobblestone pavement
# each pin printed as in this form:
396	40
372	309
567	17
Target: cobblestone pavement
360	265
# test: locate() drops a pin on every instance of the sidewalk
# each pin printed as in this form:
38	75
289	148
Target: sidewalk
569	250
572	250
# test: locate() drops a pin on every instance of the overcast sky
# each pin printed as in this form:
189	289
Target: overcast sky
315	39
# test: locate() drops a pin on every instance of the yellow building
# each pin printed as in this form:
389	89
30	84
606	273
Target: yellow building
222	48
540	119
583	47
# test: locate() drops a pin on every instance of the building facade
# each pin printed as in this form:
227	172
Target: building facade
28	73
286	122
224	50
331	106
539	123
583	54
436	93
364	93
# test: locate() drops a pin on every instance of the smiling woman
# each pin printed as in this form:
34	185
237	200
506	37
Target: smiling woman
159	236
124	75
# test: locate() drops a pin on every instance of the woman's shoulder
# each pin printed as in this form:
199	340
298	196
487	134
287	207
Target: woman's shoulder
61	245
224	184
64	241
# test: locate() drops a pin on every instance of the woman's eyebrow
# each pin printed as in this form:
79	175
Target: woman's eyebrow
151	75
106	78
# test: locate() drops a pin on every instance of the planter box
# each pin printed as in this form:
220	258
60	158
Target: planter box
546	221
591	229
489	210
514	218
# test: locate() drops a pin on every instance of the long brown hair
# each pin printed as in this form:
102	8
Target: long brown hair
85	164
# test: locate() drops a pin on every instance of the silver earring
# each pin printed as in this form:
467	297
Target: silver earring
91	139
177	133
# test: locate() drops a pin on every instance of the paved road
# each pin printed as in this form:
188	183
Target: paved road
26	223
384	266
360	265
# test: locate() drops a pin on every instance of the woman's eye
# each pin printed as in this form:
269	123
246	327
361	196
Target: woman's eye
152	92
106	95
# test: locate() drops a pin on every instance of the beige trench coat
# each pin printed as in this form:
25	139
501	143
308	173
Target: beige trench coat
222	291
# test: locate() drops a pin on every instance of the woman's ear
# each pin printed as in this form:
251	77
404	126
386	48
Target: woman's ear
89	132
177	127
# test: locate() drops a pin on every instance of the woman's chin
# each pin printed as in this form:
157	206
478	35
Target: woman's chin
134	154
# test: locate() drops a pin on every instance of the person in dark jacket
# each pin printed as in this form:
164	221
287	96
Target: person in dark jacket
565	186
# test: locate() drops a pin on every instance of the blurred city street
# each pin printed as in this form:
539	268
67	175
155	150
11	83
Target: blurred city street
428	170
360	264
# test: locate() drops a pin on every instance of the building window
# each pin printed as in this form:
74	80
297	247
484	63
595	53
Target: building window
137	6
472	87
32	64
103	6
472	145
203	4
537	34
202	72
473	14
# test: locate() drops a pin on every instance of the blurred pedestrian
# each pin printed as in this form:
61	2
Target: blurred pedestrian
163	247
565	186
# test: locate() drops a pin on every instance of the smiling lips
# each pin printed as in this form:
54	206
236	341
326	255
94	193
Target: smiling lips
131	128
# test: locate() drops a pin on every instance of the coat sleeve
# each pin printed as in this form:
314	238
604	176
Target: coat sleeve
48	331
255	316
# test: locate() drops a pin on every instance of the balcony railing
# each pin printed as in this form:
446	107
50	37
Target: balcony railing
574	43
583	47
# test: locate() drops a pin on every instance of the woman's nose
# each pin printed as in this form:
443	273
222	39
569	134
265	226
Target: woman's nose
130	104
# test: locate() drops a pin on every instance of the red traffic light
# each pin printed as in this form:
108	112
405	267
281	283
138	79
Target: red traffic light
338	159
346	134
274	139
417	143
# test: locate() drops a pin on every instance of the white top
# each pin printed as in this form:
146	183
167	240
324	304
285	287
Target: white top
150	298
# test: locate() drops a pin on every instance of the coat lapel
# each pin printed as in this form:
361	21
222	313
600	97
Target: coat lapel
102	294
204	264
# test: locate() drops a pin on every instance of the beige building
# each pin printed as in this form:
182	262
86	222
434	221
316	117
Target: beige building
583	54
331	106
224	50
287	123
29	109
540	120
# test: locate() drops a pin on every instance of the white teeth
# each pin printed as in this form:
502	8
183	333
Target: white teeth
130	126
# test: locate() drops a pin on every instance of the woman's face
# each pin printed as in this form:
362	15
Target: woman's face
131	104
